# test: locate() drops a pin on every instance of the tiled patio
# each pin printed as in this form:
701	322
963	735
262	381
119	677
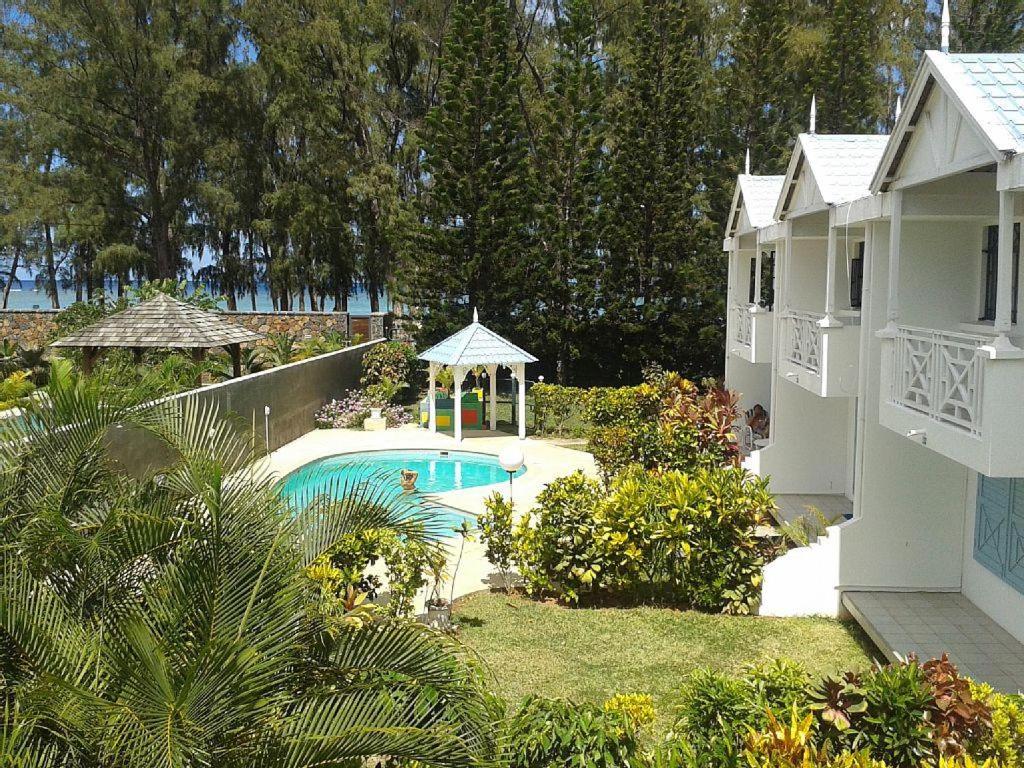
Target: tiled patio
930	623
792	506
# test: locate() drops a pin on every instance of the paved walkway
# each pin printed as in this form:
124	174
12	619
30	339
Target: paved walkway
545	462
930	623
792	506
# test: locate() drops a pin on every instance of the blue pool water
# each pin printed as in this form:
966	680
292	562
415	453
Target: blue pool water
439	471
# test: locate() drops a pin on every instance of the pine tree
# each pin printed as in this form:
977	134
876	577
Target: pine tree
662	280
987	26
848	86
478	217
763	91
570	166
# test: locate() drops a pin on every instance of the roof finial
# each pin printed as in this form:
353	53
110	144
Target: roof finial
746	164
476	317
944	27
899	109
814	113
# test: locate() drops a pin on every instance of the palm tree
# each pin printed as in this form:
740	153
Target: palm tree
159	616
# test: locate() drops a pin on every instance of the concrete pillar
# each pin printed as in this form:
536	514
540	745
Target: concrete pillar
460	374
830	321
432	397
895	235
521	376
1004	283
492	399
757	275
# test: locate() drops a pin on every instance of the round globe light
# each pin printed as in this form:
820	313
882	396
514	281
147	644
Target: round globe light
511	459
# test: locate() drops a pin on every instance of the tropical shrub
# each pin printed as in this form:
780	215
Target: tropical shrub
394	361
556	546
14	389
684	539
497	534
958	717
637	708
353	408
561	411
718	712
1006	742
667	423
553	732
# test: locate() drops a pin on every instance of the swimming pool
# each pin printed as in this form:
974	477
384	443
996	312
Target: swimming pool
439	471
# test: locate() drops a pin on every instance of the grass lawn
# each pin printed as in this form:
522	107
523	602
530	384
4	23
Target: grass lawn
591	654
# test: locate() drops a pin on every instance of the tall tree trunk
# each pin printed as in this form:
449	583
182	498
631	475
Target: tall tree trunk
312	299
12	274
374	290
51	269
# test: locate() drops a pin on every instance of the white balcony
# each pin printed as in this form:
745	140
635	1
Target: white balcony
955	394
822	360
751	333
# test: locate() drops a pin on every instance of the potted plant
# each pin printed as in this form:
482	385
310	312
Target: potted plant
439	608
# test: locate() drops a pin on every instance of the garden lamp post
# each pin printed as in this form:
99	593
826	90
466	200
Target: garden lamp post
511	460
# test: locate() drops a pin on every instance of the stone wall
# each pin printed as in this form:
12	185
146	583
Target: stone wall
30	328
33	328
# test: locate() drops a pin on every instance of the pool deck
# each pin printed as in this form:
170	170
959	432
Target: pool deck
545	462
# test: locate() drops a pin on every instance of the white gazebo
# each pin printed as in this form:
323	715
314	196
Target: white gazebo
472	347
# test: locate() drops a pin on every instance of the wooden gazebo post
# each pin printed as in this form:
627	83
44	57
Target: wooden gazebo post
235	350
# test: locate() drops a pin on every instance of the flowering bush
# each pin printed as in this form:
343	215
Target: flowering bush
352	408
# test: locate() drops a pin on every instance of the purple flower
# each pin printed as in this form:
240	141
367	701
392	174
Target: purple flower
352	408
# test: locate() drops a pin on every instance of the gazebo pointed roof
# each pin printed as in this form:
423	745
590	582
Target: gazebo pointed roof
476	344
161	322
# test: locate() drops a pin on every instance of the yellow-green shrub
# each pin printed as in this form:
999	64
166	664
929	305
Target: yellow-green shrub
1007	741
686	539
637	708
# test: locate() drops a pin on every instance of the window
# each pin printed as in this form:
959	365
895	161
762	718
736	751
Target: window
999	528
857	276
990	286
767	279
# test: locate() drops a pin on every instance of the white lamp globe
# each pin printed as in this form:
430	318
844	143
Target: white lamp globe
511	459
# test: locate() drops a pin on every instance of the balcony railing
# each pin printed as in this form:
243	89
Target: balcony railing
743	324
940	374
803	340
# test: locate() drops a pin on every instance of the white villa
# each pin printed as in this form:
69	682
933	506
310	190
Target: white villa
873	297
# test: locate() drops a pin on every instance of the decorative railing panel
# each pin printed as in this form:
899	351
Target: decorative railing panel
940	374
743	324
803	340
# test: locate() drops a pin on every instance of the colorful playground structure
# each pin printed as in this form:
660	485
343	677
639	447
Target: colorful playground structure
472	410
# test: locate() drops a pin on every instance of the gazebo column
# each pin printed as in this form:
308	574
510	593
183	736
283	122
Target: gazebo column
432	397
492	399
460	374
521	377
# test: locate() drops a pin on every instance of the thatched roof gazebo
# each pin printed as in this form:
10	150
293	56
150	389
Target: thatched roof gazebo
162	322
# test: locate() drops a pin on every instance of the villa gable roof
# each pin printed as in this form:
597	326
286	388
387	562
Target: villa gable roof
840	168
984	90
756	197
